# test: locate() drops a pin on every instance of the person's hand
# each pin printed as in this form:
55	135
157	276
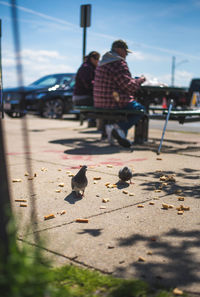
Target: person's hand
142	78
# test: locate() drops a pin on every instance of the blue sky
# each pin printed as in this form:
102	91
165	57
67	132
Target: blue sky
51	38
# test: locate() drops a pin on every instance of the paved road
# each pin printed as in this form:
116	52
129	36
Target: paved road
131	235
175	126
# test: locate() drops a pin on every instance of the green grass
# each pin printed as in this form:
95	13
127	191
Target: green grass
27	273
80	282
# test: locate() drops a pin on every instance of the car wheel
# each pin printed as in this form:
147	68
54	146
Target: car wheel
15	114
53	109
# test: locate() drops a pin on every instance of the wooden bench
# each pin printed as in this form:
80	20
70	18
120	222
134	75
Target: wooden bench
111	116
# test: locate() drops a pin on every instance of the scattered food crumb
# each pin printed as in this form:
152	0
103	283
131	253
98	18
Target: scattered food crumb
48	217
152	203
58	190
180	212
181	198
82	220
20	200
62	212
16	180
97	178
43	169
177	291
105	200
165	206
23	205
110	246
178	191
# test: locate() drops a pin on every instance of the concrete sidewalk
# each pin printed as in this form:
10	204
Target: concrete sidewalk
131	235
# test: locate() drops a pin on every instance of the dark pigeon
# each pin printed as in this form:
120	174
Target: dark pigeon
79	181
125	174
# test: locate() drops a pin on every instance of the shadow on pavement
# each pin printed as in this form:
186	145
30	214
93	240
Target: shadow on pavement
93	146
171	187
89	146
122	185
92	232
178	265
72	198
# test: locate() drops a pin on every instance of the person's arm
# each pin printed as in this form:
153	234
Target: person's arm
123	79
87	77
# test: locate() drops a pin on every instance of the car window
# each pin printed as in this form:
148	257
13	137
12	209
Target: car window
72	83
65	80
46	81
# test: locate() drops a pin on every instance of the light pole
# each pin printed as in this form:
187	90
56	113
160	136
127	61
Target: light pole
174	65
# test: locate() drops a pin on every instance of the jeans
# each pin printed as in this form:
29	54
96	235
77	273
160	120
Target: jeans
132	119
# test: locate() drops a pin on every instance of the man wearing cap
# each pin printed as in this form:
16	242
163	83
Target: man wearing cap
114	88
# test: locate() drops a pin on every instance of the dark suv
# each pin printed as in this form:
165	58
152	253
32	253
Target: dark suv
49	96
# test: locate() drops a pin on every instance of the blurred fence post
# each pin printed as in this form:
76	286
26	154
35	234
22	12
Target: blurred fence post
5	204
1	82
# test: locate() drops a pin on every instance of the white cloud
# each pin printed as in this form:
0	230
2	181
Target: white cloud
35	65
183	77
141	56
136	55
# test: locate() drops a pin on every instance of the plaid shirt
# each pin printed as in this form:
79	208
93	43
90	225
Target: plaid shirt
114	77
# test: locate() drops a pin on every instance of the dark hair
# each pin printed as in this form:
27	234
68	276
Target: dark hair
94	55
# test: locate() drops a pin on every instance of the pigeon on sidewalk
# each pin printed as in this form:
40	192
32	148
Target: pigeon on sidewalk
125	174
79	182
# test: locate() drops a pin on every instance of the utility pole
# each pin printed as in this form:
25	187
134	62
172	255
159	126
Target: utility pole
174	66
173	70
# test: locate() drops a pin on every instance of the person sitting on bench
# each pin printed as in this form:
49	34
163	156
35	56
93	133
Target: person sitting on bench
114	88
83	89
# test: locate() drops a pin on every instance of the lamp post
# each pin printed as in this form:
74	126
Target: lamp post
174	65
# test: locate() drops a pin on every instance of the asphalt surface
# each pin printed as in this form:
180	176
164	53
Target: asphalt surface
128	234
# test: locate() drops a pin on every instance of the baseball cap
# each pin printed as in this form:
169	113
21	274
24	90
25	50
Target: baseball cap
121	44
